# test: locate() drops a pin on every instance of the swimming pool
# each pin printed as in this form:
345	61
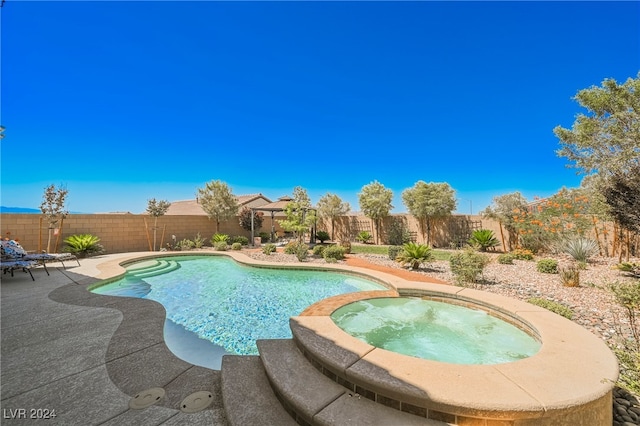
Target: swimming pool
216	306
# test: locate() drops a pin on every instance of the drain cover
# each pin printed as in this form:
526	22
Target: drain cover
146	398
196	401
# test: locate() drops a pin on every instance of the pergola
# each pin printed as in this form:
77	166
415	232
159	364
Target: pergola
272	208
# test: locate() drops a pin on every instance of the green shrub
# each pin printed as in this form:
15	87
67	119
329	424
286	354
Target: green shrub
630	267
318	250
268	249
467	265
240	239
302	252
334	252
547	266
364	236
236	246
221	246
219	238
415	255
198	241
627	295
186	244
291	247
322	236
398	234
570	277
581	249
264	237
83	245
394	251
522	254
483	239
552	306
505	259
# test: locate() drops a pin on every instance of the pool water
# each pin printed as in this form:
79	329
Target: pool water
227	305
435	330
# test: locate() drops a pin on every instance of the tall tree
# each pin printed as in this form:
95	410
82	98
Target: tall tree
428	202
504	209
300	216
218	201
331	206
53	207
622	193
156	209
375	203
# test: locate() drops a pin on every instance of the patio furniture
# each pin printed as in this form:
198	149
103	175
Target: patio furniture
12	250
9	265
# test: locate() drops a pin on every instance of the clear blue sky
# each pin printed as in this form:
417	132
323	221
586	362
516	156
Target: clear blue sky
126	101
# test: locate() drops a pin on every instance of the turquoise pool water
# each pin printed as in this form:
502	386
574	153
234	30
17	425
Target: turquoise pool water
216	306
435	330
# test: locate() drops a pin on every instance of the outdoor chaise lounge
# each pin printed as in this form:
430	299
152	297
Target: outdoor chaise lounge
12	250
9	265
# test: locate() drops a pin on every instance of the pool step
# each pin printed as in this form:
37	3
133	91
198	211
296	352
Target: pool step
317	400
247	395
162	267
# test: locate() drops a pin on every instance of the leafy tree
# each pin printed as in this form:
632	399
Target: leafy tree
301	197
504	209
245	219
300	216
622	193
375	203
428	202
218	201
331	206
156	209
53	208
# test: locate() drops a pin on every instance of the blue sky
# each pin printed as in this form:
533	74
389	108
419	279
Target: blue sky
126	101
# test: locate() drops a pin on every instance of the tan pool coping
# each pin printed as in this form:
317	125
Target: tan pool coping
572	368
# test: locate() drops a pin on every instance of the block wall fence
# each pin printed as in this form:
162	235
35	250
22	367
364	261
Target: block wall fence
120	233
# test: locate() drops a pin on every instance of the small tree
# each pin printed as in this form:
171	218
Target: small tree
503	209
156	209
622	193
245	219
375	203
53	208
298	220
218	201
428	202
330	206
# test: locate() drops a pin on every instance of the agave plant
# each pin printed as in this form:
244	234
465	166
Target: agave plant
484	239
415	255
364	236
580	248
83	245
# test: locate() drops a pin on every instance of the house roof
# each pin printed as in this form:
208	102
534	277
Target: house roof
194	208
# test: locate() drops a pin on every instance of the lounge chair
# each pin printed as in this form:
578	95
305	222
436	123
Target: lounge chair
11	249
8	265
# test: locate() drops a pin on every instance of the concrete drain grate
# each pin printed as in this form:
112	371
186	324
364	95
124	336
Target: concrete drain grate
146	398
196	402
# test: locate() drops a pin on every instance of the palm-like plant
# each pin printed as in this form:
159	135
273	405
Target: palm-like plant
415	255
483	239
83	244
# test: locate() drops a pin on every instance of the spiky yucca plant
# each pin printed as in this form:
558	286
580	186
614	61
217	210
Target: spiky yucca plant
415	255
580	248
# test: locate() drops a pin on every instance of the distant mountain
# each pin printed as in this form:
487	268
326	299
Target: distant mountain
4	209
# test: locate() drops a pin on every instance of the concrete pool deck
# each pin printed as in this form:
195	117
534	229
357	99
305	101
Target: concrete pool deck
86	356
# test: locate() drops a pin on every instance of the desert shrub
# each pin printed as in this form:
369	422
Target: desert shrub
291	247
570	276
627	295
83	245
534	242
186	244
522	254
632	268
198	241
322	236
468	265
415	255
219	238
398	234
347	245
506	259
364	236
483	239
334	252
394	251
552	306
236	246
302	252
221	246
580	248
318	250
547	266
240	239
268	248
264	237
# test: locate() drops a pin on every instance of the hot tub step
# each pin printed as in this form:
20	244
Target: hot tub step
247	395
318	400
